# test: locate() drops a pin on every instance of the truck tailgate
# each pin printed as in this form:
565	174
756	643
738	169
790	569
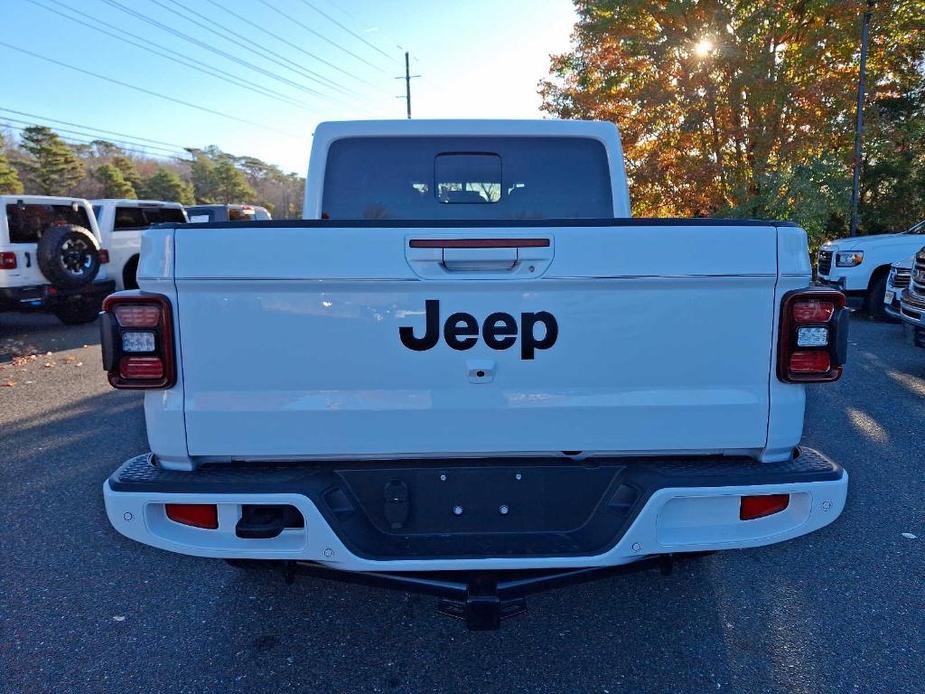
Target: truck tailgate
313	340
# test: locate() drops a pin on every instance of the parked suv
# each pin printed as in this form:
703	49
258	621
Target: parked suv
121	225
912	302
859	265
52	258
202	214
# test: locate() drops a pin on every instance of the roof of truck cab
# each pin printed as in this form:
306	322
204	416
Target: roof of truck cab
463	127
129	202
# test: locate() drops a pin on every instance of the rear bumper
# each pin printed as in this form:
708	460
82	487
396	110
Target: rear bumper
609	514
44	296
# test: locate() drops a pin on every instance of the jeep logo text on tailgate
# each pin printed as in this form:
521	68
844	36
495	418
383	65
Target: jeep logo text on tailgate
499	330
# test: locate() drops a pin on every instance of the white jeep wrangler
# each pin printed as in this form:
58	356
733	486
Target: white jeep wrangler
52	258
121	225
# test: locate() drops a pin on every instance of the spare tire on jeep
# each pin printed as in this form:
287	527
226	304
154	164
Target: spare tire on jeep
68	255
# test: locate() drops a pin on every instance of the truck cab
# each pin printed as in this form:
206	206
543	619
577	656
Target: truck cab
473	359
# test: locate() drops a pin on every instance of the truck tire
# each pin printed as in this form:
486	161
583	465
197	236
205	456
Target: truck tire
874	299
79	311
68	255
130	273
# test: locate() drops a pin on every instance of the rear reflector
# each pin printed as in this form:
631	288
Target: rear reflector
810	362
7	261
479	243
196	515
141	368
760	506
137	315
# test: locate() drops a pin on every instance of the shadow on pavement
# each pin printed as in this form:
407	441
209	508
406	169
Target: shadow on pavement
37	333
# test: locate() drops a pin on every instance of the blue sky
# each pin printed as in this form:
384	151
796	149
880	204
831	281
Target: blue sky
477	58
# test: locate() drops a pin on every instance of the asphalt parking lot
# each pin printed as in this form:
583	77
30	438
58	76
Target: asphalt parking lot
82	608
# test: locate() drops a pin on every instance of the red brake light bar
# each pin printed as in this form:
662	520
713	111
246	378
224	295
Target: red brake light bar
479	243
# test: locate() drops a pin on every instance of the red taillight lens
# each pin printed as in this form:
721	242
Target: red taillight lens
104	256
813	311
816	362
7	261
123	314
813	336
760	506
196	515
141	368
137	315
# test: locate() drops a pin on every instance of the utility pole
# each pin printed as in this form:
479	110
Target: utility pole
407	77
859	125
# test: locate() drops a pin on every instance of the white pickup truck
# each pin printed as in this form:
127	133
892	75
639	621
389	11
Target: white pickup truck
469	359
859	266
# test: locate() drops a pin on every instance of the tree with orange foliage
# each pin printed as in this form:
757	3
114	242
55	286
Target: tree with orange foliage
735	107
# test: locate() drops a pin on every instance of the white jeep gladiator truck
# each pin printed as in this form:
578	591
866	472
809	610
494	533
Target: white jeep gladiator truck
470	372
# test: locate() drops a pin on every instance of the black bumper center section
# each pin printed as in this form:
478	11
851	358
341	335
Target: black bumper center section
451	509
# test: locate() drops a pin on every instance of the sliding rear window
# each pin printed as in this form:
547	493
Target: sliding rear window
467	178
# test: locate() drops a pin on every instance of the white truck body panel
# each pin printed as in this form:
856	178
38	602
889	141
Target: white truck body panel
312	338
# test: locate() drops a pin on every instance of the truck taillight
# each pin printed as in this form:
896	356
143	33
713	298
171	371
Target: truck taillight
813	341
104	256
7	261
136	330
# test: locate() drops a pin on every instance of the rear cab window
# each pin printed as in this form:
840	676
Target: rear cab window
495	178
28	221
129	218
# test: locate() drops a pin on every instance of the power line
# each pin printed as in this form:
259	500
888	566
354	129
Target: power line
132	139
320	35
169	55
146	91
260	51
212	49
288	43
84	141
217	51
347	29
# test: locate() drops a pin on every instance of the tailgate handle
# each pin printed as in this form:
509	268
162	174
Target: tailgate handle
501	256
479	259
